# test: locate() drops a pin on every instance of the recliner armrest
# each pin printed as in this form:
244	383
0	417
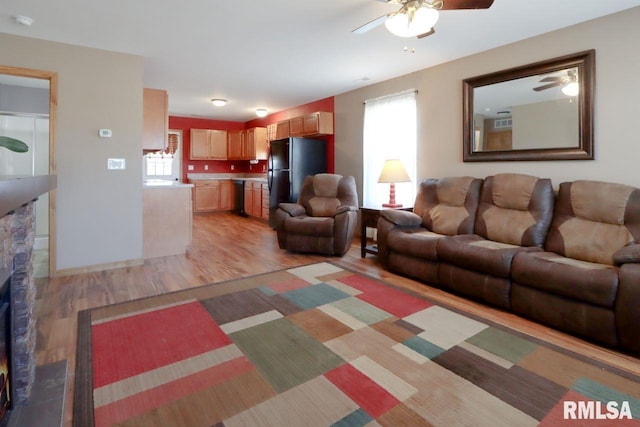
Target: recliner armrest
401	218
344	208
630	253
292	209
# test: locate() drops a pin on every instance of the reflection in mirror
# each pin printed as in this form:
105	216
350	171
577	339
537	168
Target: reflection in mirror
541	111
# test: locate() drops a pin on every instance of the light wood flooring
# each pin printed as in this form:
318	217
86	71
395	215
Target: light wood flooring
226	247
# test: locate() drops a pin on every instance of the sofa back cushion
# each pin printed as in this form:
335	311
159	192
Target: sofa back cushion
515	209
448	205
594	219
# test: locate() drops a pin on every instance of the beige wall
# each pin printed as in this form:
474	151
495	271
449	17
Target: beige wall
617	146
99	212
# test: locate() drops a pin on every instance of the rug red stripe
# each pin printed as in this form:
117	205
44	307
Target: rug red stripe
145	401
129	346
363	390
388	299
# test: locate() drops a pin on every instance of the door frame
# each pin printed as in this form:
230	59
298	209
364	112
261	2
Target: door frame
52	77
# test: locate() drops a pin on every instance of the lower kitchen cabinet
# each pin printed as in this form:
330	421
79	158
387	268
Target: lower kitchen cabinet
167	221
212	195
256	199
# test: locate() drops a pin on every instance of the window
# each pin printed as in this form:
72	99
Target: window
390	124
164	164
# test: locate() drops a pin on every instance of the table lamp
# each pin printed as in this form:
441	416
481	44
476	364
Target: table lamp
393	172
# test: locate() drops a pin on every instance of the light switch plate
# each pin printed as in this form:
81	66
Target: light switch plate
116	164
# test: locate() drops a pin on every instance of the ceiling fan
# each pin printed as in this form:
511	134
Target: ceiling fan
568	81
416	18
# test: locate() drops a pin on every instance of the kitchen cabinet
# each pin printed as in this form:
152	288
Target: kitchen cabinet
256	199
155	119
249	144
314	124
208	144
283	129
212	195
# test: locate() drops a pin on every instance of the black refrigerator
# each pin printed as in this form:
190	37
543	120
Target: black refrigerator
290	161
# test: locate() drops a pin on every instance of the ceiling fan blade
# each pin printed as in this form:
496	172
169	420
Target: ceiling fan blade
551	79
545	87
370	25
466	4
428	33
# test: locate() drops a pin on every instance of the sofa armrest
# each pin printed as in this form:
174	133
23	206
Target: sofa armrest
401	218
293	209
630	253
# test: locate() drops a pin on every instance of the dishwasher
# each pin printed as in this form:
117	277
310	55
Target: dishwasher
238	197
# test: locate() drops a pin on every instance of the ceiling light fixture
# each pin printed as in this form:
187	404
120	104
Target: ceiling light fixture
219	102
261	112
415	18
23	20
571	89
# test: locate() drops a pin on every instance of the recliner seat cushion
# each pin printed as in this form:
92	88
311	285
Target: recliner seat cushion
578	280
419	243
475	253
309	226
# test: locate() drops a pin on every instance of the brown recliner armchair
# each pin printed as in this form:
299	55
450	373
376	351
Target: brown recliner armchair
325	218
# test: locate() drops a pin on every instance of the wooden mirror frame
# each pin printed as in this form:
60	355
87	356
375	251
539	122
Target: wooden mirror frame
585	62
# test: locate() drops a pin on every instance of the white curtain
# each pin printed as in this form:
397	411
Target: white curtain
389	133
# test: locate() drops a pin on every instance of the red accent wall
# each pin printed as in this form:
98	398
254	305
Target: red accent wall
242	166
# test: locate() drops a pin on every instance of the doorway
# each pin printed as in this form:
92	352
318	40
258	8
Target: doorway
25	116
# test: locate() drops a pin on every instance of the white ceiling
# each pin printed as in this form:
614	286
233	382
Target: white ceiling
277	54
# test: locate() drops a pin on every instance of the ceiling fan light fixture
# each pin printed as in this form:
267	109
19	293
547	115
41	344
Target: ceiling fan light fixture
571	89
411	21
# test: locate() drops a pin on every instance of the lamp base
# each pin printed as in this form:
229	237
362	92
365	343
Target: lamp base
392	205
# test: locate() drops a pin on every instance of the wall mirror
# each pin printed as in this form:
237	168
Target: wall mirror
540	111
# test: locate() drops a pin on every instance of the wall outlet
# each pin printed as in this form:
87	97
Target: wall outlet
233	167
264	168
206	167
190	167
250	167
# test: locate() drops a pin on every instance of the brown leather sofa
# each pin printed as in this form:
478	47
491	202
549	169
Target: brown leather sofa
569	261
325	218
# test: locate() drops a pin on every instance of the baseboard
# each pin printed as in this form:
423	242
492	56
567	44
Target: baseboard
98	267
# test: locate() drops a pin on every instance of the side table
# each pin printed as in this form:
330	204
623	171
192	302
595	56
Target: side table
369	218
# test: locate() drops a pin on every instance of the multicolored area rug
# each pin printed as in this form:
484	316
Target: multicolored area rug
322	346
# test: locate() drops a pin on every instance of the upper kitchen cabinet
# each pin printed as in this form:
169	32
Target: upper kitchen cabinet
314	124
256	144
283	129
208	144
247	144
155	119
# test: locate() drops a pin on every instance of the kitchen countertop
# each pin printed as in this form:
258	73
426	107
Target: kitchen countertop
226	176
161	183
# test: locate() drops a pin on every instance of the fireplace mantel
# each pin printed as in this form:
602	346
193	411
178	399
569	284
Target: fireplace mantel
15	192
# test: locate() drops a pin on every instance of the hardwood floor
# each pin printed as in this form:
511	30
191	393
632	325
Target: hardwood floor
226	247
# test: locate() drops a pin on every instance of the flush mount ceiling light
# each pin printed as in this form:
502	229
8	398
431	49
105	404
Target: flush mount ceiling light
261	112
219	102
23	20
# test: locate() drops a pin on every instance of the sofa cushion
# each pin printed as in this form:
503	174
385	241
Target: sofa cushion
578	280
593	220
418	242
515	209
448	205
473	252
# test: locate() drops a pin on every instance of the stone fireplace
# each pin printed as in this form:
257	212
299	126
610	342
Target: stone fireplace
17	235
16	256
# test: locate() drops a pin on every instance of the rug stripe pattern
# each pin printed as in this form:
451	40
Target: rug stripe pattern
320	345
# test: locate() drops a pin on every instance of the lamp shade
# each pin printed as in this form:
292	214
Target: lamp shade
393	172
